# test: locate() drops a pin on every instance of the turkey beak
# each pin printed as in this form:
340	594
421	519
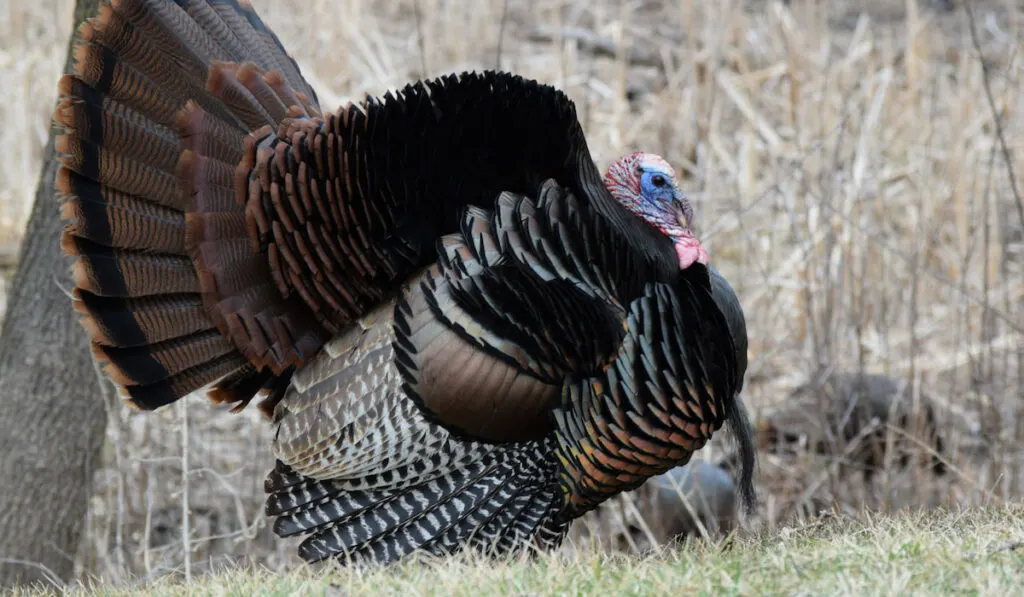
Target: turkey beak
677	207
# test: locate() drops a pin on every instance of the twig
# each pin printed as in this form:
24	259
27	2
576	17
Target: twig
995	113
48	574
932	453
629	503
1008	546
833	467
726	82
595	44
184	490
148	528
111	404
419	36
9	254
501	34
690	508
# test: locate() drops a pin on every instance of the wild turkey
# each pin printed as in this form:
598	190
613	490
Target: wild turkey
461	336
827	414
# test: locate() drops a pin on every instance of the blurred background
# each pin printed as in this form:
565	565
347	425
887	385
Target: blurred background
852	165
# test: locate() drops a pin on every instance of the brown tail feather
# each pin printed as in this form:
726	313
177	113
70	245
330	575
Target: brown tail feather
162	117
131	366
119	171
151	145
141	321
106	271
167	391
101	69
265	46
115	219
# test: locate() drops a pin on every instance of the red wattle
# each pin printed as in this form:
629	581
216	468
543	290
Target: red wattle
689	251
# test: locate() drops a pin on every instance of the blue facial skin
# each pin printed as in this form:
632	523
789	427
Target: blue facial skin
662	202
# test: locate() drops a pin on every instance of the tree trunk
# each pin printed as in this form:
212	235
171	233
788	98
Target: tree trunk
52	416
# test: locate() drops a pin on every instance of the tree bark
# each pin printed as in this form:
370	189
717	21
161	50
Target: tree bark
52	415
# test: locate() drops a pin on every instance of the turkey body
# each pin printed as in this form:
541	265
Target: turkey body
462	338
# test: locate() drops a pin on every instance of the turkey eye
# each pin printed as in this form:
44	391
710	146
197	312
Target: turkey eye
658	180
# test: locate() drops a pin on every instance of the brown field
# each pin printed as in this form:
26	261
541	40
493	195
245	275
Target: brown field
852	164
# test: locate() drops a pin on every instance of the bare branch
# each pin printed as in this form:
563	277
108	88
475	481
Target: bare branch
419	37
501	34
995	113
595	44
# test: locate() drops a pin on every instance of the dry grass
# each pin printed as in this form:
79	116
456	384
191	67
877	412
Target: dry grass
848	178
974	552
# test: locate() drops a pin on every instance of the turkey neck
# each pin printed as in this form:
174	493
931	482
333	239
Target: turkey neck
655	246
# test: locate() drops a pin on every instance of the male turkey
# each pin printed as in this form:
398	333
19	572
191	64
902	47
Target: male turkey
462	336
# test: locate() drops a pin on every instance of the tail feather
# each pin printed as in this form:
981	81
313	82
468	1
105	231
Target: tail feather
170	389
218	139
127	132
141	321
131	366
161	117
103	70
123	173
262	43
115	219
168	28
106	271
116	54
299	494
521	511
349	518
488	537
334	507
224	84
84	110
251	78
279	60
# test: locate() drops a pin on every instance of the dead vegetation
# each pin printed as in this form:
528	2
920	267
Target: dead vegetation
852	164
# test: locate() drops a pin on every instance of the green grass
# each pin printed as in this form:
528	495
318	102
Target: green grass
966	552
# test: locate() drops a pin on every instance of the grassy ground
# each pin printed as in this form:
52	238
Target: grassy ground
849	179
966	552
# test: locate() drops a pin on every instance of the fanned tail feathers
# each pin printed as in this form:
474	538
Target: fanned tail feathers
161	117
